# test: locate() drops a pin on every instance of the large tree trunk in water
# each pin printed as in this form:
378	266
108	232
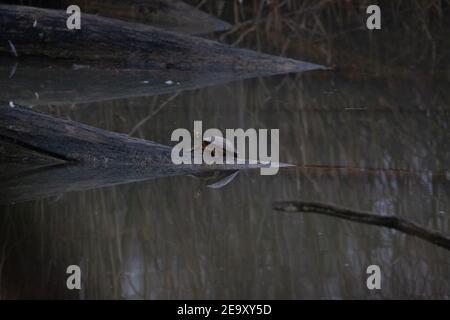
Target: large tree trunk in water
28	31
41	155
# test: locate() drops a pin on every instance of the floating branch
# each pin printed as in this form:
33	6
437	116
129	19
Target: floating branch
118	44
389	221
171	15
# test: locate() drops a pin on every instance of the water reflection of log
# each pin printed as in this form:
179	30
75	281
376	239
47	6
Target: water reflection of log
31	81
44	182
171	15
115	43
388	221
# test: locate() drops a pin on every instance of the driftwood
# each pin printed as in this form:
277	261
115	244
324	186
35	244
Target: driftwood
74	142
41	155
388	221
110	59
172	15
28	31
69	141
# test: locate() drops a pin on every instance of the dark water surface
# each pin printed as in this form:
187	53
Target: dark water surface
171	238
376	142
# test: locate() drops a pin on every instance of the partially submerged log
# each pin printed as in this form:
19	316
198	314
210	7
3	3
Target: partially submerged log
74	142
388	221
53	155
171	15
28	31
68	141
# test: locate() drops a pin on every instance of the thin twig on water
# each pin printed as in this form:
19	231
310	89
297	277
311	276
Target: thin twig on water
388	221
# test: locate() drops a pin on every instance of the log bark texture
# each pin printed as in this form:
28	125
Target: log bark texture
42	155
29	31
171	15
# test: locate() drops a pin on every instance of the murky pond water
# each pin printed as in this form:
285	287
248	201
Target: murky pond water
375	142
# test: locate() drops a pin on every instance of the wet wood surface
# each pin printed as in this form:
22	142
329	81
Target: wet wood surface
28	31
42	155
171	15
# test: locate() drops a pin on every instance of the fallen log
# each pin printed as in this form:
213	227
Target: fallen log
52	155
69	141
171	15
28	31
388	221
74	142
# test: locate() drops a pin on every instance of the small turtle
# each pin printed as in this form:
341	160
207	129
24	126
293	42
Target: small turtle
219	143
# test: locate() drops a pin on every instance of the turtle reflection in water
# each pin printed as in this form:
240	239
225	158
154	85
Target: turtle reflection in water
217	179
